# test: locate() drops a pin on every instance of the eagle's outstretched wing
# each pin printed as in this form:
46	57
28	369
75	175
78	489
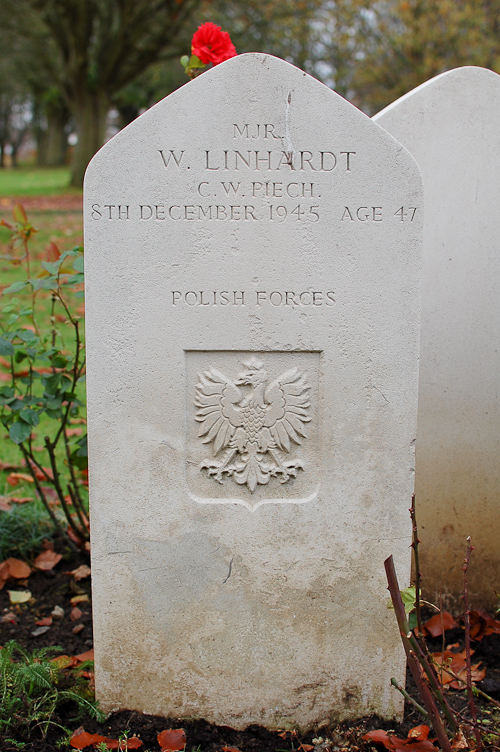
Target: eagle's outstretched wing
216	398
287	402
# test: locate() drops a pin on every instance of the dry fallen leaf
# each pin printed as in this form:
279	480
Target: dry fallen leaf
172	740
416	741
46	622
482	624
4	504
47	560
78	628
439	623
82	739
20	499
80	573
79	599
87	656
459	741
13	479
19	596
18	569
132	743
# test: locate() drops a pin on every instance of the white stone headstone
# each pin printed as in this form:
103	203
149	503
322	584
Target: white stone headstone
252	267
451	125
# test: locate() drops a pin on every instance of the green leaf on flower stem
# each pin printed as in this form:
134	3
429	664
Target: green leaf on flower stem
30	416
195	62
185	61
19	431
15	287
78	264
409	596
6	347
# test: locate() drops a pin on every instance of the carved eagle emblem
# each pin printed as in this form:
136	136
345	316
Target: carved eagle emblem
252	423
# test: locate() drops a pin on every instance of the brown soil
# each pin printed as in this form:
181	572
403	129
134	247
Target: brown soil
55	588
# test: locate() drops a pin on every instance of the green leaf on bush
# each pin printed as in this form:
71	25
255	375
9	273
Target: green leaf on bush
6	347
51	266
30	416
15	287
19	431
26	335
78	264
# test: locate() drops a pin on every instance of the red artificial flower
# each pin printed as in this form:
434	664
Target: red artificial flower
211	44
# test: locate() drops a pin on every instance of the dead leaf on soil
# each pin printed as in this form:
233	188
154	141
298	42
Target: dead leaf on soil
47	560
235	749
417	740
79	599
451	665
13	479
20	499
172	740
80	573
4	504
75	614
13	569
459	741
46	622
82	739
87	656
482	624
439	623
19	596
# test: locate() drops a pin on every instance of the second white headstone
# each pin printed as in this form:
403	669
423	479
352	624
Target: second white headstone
451	126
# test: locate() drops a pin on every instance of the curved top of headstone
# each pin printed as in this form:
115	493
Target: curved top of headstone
459	83
196	109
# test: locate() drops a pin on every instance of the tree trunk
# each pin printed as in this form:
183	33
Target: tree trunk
90	112
53	142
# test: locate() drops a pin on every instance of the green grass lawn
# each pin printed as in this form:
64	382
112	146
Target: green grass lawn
35	181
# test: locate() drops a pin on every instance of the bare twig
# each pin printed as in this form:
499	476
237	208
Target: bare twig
413	661
470	695
414	544
410	699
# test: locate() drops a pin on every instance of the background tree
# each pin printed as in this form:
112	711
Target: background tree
94	48
407	42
